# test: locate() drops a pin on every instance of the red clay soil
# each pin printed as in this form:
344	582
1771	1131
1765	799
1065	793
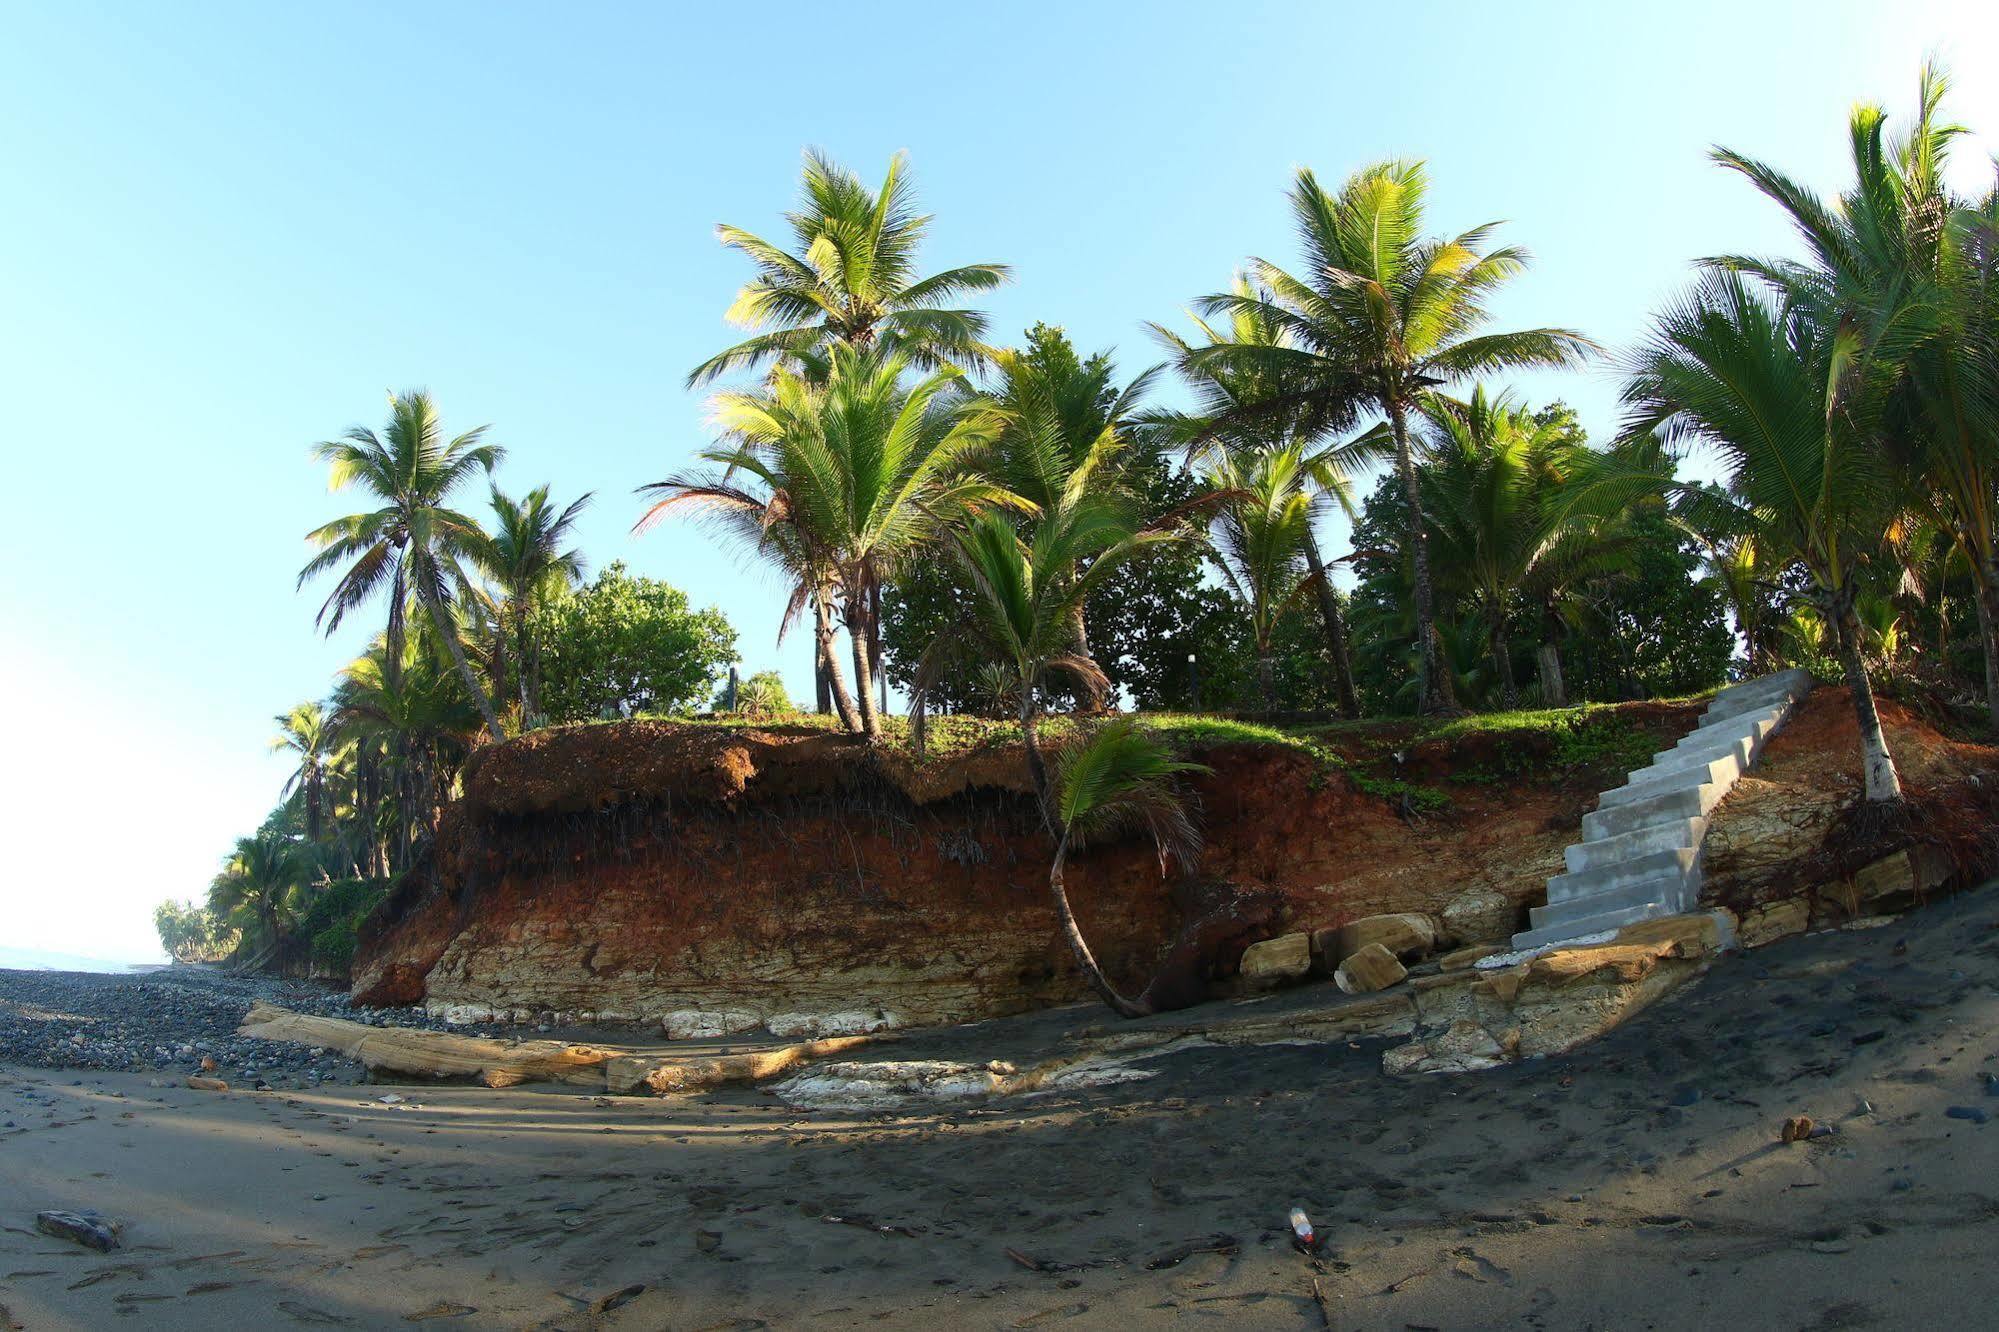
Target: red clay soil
643	868
1794	826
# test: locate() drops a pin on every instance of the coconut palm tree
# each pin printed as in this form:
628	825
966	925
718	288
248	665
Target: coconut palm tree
850	277
525	559
1794	417
1245	405
857	474
414	544
1910	273
258	883
1117	780
1026	588
308	736
411	725
1258	539
1494	473
1380	316
1065	431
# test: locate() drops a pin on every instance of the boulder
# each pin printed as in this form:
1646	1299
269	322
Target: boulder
1407	934
1372	968
1773	921
1463	1047
1479	915
1274	961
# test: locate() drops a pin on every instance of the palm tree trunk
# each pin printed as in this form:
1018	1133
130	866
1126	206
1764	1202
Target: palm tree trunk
1502	656
1336	630
1037	766
1884	785
1266	677
1433	681
1986	599
1072	934
864	690
822	634
1088	696
1554	689
449	633
827	664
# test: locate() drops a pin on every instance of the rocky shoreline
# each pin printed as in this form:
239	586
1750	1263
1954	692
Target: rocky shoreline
171	1020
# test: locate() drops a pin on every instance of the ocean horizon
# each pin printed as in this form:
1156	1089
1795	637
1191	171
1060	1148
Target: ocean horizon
43	959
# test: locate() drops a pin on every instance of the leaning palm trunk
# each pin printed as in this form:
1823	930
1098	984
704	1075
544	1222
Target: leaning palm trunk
449	633
1433	681
1089	698
1037	766
1072	934
1336	630
1884	786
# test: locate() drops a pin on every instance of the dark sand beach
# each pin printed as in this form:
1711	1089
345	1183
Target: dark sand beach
1636	1183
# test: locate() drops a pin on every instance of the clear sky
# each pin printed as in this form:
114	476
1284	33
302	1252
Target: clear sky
228	229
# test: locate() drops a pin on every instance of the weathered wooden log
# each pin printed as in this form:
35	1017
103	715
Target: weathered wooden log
435	1054
442	1054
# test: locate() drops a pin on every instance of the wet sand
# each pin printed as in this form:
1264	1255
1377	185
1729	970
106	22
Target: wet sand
1636	1183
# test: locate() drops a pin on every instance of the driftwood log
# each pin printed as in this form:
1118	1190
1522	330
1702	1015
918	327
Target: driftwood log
443	1054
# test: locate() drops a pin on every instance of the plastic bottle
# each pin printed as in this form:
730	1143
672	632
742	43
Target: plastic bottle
1301	1227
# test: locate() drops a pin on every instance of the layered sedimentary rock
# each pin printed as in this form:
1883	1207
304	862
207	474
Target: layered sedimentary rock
717	880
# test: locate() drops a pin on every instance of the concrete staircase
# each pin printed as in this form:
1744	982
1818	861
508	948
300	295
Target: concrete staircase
1640	856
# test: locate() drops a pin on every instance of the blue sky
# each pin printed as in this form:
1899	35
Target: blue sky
229	229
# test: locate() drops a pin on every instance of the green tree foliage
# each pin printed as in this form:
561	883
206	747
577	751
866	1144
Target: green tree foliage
415	545
1658	631
191	933
1381	315
1145	616
850	278
622	645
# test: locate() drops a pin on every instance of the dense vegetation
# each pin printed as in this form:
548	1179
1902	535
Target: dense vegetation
1015	531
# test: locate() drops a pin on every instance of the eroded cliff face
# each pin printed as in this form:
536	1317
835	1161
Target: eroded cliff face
725	880
1788	832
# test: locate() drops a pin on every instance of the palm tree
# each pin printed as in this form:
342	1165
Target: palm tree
1247	406
1759	380
1494	471
1382	316
307	734
411	725
525	559
414	543
851	278
1117	780
258	882
1026	589
1910	273
841	482
1258	539
1065	431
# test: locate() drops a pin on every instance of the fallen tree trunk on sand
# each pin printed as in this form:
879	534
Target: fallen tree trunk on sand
443	1054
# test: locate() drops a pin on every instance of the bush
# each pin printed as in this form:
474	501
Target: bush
333	915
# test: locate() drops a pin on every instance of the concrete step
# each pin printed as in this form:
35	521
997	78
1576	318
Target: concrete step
1647	782
1755	727
1583	925
1679	802
1796	678
1667	760
1682	863
1668	835
1663	892
1777	692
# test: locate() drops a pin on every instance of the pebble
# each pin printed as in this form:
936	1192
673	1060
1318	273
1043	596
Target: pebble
1976	1114
170	1019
